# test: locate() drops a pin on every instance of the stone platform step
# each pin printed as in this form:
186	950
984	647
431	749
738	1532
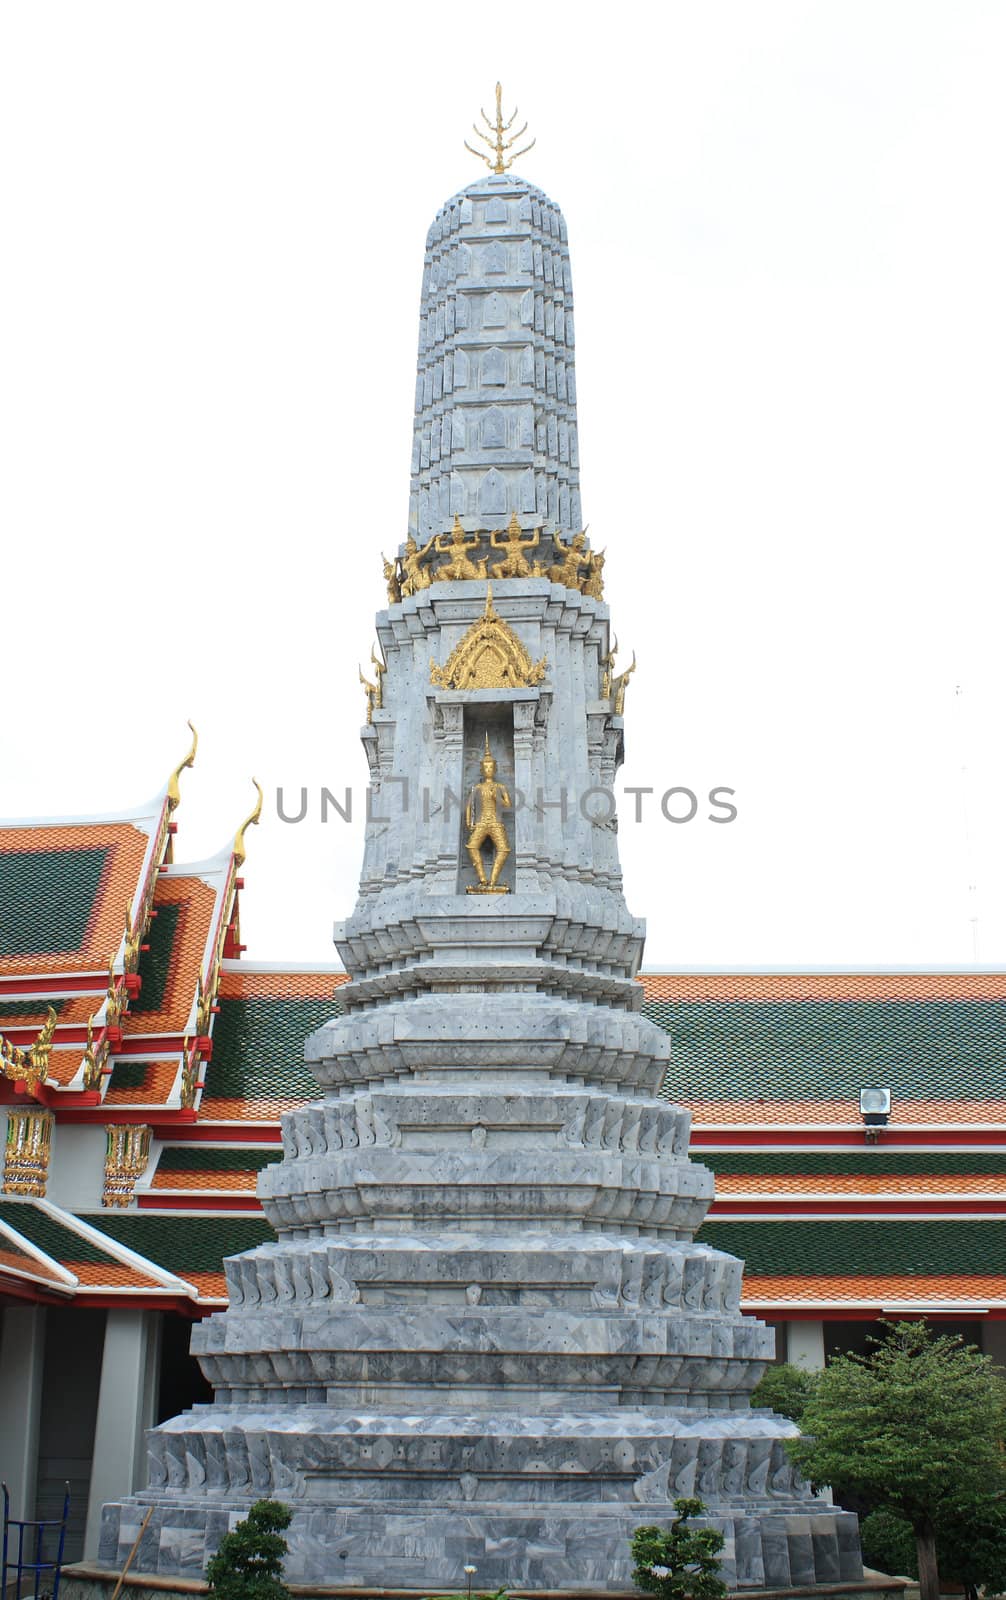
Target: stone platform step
83	1581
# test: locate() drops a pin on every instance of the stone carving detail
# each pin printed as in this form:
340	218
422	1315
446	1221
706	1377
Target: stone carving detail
494	366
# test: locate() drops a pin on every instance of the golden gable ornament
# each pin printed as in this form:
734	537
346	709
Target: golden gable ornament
490	656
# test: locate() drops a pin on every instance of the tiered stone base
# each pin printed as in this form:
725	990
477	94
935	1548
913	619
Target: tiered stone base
538	1503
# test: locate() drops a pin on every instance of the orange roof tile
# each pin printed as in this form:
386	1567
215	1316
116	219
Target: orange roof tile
196	902
824	986
209	1285
222	1110
860	1183
244	1182
22	1261
118	888
872	1290
65	1064
71	1011
280	985
154	1091
110	1275
709	1113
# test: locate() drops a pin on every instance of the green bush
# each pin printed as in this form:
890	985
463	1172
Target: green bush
679	1562
889	1544
786	1389
248	1564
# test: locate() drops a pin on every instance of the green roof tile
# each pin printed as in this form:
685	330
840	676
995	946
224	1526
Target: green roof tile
184	1244
10	1010
828	1049
155	962
203	1158
258	1048
836	1248
46	898
46	1233
129	1075
839	1163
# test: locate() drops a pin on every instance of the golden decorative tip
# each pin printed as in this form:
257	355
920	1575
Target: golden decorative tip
498	144
174	793
252	818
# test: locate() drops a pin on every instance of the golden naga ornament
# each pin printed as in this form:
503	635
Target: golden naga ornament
498	144
607	667
456	545
374	691
490	656
516	543
30	1066
482	816
189	1083
95	1059
618	686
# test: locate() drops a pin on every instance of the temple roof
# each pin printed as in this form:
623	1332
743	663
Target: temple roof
206	1051
778	1049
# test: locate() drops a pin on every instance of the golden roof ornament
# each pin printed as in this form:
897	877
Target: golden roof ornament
253	816
30	1066
490	656
174	793
496	140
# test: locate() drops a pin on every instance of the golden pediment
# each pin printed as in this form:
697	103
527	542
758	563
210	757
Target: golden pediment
490	656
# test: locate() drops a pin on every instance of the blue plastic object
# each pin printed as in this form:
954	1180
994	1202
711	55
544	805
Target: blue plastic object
38	1572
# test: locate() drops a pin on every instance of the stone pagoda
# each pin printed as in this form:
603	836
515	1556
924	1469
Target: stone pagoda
485	1337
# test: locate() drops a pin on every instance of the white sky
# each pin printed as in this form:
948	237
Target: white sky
789	251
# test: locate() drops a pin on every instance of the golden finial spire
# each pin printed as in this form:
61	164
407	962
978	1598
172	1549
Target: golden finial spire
495	138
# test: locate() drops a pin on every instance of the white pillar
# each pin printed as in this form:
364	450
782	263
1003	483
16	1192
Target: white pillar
22	1355
127	1397
805	1344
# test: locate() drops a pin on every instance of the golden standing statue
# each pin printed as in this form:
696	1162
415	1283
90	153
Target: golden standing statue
457	544
489	797
574	556
593	584
414	576
515	563
393	578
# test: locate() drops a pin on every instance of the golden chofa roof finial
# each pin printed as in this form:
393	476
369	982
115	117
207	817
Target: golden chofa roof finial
496	140
253	817
174	793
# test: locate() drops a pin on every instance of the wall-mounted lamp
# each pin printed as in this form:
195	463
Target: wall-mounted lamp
874	1108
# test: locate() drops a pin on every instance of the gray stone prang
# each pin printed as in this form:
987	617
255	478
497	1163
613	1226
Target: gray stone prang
485	1334
495	427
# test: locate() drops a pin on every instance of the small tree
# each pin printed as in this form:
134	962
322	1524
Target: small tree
248	1564
970	1547
786	1389
679	1563
913	1427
